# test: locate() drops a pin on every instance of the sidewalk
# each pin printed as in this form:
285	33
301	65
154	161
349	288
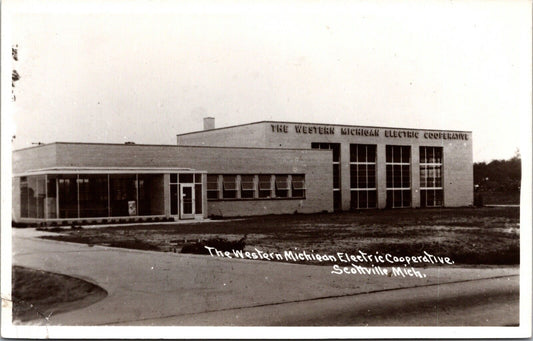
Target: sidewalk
145	285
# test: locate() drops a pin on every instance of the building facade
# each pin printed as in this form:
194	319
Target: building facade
252	169
85	182
372	167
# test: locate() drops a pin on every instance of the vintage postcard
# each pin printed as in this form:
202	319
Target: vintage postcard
258	169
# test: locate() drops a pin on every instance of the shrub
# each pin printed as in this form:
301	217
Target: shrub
220	244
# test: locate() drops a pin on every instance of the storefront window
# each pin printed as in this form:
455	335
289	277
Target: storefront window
68	196
123	192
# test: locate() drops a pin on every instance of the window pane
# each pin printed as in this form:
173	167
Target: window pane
282	181
198	198
406	154
397	198
353	153
247	186
298	186
151	194
229	182
390	198
422	154
68	196
173	178
371	170
438	154
198	178
430	197
431	155
438	197
353	176
282	186
396	176
123	190
336	176
361	153
354	200
361	176
438	176
51	196
93	195
406	198
396	154
229	186
423	198
389	153
212	182
173	199
24	209
406	177
363	202
372	199
32	197
186	178
41	194
371	153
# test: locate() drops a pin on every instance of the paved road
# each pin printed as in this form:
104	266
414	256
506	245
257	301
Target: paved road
153	288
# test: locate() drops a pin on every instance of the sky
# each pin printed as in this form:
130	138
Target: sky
102	71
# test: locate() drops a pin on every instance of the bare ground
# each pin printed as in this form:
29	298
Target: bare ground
467	235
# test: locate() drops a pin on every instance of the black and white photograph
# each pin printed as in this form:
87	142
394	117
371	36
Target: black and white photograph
343	169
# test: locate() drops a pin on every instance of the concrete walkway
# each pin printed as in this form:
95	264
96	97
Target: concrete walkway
154	288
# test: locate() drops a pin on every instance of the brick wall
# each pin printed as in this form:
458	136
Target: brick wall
457	162
34	158
314	164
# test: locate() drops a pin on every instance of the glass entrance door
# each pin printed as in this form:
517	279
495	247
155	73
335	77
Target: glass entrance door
187	201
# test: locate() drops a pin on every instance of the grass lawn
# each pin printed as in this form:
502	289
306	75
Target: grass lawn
467	235
38	294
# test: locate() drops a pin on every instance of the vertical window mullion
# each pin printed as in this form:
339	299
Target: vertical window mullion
78	192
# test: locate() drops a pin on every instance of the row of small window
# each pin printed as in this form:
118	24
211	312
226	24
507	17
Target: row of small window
251	186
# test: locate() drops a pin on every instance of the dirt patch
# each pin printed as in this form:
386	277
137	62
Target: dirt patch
467	235
38	294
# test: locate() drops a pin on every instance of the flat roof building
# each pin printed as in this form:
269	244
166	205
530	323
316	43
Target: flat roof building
372	167
252	169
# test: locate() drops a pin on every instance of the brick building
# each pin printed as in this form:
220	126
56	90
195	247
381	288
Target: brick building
251	169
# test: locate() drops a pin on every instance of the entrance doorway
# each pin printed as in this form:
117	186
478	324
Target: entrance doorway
187	210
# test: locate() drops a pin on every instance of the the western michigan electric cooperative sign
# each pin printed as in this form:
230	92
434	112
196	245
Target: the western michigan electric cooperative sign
303	129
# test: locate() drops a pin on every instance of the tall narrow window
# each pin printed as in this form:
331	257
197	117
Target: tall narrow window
212	187
51	196
431	192
398	163
336	148
68	196
247	186
24	209
229	183
363	176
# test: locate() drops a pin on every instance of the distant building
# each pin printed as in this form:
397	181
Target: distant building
251	169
